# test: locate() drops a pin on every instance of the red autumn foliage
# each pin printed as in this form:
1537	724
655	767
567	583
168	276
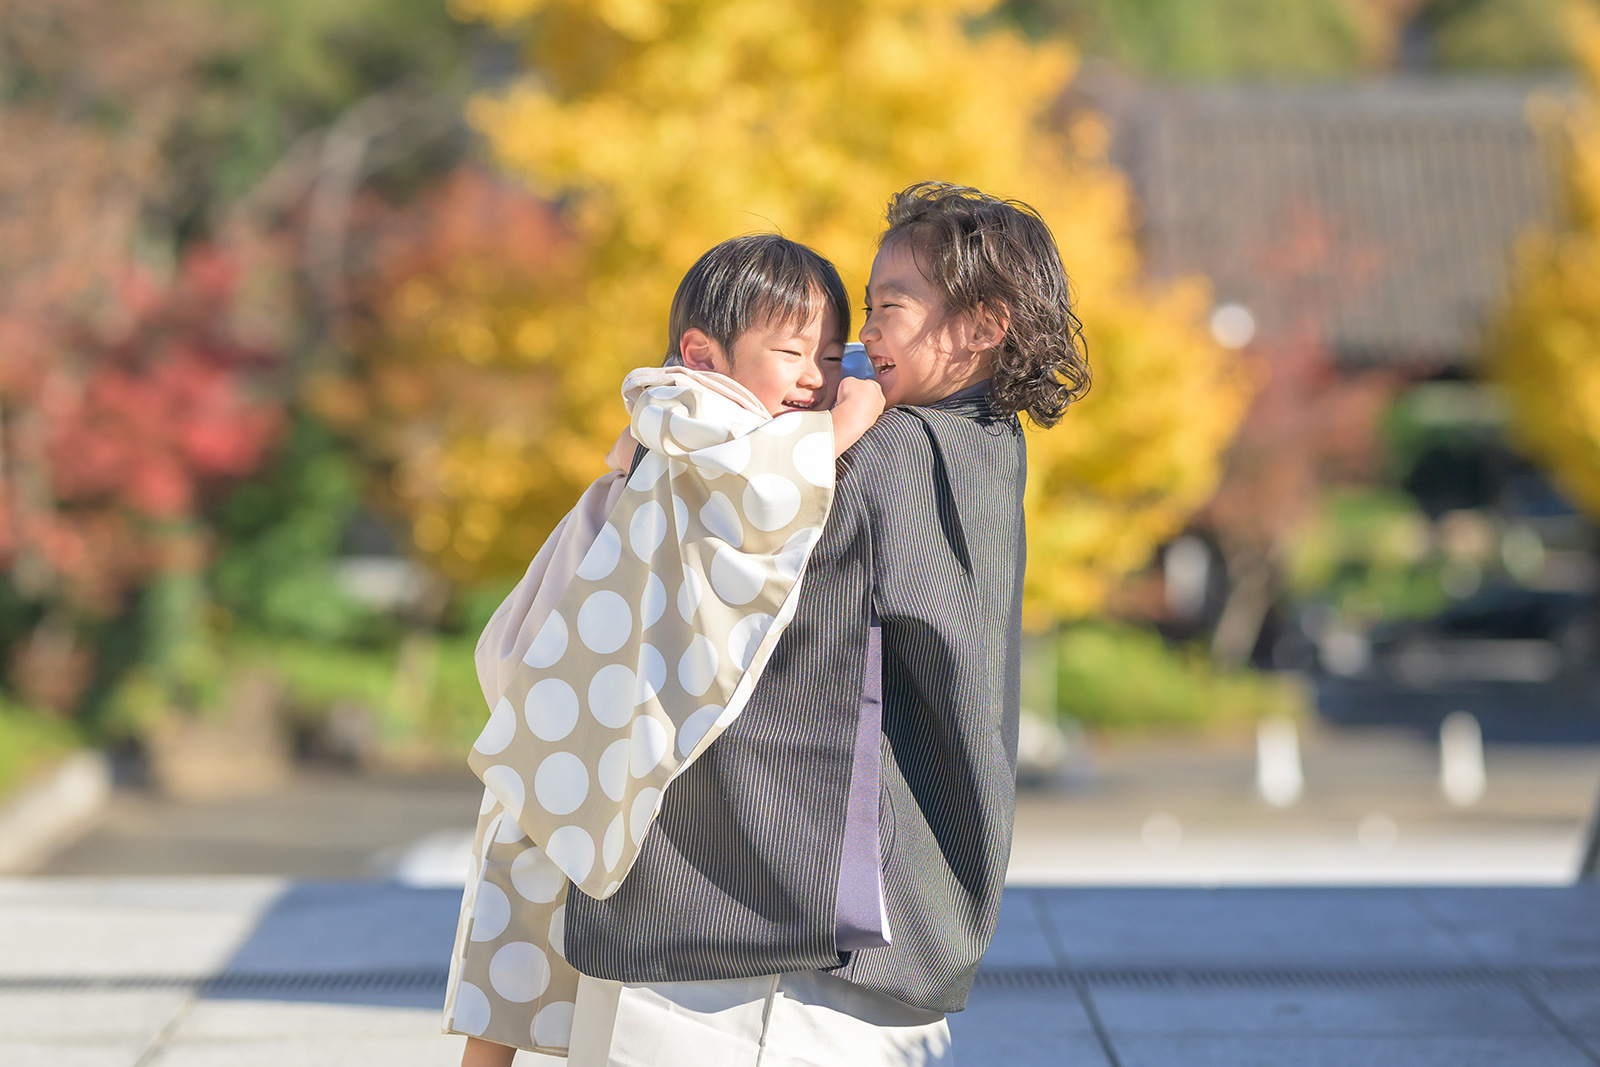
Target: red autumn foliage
116	430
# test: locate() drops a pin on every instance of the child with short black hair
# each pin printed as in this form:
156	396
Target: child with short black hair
643	624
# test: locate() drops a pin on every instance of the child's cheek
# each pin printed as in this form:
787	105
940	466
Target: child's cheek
830	385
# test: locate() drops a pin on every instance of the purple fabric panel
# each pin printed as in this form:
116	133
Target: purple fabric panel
859	914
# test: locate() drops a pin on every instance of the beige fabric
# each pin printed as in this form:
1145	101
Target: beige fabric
619	663
516	622
800	1019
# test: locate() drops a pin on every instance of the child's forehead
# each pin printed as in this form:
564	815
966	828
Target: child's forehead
795	323
896	270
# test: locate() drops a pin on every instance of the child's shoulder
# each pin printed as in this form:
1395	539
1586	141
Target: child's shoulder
892	444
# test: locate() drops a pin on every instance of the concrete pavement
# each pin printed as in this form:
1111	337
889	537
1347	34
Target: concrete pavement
225	972
1148	812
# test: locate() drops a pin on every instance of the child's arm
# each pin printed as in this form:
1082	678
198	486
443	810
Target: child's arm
858	406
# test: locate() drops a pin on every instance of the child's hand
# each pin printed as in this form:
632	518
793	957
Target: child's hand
862	395
859	403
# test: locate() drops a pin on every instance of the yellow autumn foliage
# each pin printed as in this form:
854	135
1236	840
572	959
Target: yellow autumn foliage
664	126
1545	349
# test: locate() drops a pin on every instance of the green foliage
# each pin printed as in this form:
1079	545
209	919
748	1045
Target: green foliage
296	65
28	743
456	712
1207	39
1298	39
1120	677
280	536
317	676
180	668
1367	553
1507	36
441	710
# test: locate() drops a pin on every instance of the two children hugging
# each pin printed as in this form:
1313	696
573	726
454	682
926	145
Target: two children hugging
644	629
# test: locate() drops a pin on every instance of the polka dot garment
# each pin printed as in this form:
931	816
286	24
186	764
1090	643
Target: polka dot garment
648	654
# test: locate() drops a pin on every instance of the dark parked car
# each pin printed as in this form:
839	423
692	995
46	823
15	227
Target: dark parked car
1523	661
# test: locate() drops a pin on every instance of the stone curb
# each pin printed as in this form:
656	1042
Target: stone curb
45	816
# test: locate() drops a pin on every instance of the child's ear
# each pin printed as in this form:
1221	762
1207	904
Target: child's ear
989	326
698	350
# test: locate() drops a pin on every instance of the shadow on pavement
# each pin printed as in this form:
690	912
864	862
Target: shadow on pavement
368	943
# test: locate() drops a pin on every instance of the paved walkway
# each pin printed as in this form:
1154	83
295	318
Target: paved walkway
1147	812
225	972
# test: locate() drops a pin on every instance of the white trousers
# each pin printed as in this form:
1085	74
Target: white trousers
800	1019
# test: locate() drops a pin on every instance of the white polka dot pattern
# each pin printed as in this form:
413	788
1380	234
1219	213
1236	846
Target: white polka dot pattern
471	1010
509	832
646	657
551	709
735	577
561	783
497	733
506	785
552	1027
689	594
746	638
643	810
813	459
648	472
647	530
611	695
731	457
650	743
551	643
653	604
770	501
604	621
783	425
791	560
613	768
491	912
696	434
558	931
719	517
611	847
535	878
572	849
651	675
698	667
695	727
602	556
519	971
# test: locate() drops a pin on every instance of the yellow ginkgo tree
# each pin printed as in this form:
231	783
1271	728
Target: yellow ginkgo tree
663	126
1545	349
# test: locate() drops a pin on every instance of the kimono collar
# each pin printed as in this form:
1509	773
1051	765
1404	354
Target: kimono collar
972	402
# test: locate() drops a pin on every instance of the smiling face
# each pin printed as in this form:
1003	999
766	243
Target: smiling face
789	367
920	352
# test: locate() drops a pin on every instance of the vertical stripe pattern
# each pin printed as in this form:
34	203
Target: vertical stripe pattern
739	877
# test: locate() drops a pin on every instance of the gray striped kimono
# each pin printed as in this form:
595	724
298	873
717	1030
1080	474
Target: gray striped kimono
740	875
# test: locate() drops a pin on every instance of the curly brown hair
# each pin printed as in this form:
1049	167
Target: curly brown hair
977	250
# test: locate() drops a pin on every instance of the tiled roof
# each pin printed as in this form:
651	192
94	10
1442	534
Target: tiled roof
1383	216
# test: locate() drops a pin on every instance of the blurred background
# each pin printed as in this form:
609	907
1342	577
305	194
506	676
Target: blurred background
313	316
